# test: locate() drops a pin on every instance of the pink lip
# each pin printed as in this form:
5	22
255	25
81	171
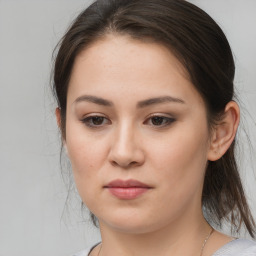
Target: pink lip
127	189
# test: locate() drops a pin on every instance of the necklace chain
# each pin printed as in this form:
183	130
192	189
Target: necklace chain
99	250
202	249
205	241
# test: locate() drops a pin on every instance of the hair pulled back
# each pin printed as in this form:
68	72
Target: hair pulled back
202	48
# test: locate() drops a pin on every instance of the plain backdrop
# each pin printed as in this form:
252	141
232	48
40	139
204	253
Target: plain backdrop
33	221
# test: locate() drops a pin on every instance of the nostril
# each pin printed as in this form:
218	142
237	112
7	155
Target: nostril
114	163
134	163
125	165
125	157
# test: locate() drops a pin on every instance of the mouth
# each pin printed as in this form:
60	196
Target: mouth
127	189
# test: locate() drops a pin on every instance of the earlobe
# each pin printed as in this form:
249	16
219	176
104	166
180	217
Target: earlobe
224	132
58	119
59	122
58	116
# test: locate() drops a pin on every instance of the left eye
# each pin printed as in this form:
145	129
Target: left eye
95	121
160	120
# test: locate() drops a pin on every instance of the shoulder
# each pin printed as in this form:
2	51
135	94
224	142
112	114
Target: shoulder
86	251
238	247
83	253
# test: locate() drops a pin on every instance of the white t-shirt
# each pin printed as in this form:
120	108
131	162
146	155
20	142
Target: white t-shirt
238	247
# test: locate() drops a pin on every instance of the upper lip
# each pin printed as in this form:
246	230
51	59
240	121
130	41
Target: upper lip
126	184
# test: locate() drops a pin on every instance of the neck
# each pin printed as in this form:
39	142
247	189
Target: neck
179	239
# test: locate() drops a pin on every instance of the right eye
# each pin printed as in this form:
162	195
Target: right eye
95	121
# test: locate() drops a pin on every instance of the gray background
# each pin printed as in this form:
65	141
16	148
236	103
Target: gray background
32	192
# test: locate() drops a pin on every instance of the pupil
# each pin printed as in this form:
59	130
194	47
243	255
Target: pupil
157	120
97	120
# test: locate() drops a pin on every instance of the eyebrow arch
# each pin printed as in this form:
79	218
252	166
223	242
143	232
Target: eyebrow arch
158	100
94	99
140	104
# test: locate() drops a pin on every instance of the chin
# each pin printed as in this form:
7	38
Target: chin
130	223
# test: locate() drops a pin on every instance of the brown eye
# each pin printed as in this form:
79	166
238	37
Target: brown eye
95	121
157	120
160	121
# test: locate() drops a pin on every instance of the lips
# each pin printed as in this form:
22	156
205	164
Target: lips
127	189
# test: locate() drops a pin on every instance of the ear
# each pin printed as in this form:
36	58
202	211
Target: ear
58	117
224	132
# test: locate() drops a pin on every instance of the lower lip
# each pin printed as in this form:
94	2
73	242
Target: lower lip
127	193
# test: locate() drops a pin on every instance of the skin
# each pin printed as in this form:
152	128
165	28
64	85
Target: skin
126	143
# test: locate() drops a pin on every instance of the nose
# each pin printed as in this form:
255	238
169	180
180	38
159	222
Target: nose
126	148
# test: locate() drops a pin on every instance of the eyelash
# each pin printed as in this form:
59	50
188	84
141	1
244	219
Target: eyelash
88	121
168	120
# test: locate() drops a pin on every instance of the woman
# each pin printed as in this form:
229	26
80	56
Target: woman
147	116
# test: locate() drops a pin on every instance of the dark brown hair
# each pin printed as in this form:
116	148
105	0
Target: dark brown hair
201	46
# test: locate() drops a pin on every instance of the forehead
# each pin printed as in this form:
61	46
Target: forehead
120	64
113	50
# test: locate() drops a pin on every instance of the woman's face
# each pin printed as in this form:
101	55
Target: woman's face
136	135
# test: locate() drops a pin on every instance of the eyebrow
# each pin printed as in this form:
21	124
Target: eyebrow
94	99
158	100
140	104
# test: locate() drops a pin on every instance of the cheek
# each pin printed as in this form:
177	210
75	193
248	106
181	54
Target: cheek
84	148
87	155
83	155
182	158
